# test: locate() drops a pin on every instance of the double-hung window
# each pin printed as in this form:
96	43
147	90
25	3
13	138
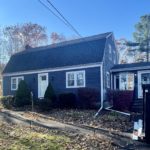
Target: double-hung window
75	79
15	82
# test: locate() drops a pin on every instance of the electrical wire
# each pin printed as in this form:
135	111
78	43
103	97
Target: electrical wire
73	28
60	16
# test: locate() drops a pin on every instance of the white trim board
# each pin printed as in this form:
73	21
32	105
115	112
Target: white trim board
83	66
101	84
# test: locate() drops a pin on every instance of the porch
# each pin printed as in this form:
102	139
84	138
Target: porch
131	77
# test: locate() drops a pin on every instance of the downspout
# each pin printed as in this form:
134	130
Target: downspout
101	83
120	112
102	86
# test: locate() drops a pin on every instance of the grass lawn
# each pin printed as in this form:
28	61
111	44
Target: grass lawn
14	137
17	137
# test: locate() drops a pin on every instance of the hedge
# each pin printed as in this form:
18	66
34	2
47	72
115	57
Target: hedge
122	99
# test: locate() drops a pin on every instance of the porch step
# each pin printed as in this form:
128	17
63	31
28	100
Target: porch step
137	105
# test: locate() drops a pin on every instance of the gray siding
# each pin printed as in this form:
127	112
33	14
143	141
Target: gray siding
58	81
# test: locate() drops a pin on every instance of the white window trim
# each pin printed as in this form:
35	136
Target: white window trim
75	79
14	89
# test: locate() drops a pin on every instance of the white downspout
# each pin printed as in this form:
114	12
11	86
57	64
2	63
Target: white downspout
101	83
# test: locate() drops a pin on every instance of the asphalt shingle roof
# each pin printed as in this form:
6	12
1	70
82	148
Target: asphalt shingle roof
131	66
75	52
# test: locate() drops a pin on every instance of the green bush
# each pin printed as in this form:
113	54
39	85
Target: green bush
7	102
49	93
49	99
23	95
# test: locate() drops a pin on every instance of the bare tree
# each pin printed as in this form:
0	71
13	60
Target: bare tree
18	36
55	37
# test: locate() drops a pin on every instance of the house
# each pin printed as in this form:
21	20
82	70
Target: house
131	77
69	65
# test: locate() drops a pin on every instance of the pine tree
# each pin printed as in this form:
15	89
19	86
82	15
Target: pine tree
23	96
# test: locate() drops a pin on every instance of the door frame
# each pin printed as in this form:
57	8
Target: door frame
139	73
39	75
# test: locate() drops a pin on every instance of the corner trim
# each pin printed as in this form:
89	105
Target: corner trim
101	75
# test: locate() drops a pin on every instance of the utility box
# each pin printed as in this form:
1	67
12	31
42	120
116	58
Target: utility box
146	111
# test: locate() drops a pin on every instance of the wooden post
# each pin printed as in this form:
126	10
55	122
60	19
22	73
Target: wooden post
32	105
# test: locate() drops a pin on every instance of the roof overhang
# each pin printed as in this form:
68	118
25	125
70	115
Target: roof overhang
130	69
65	68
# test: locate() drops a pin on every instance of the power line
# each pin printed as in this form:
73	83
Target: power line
61	17
53	13
73	28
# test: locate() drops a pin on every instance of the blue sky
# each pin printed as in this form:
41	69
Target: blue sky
88	16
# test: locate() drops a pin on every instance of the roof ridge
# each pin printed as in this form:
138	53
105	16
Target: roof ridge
65	43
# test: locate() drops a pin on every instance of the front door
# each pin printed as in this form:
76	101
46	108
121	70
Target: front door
42	84
143	78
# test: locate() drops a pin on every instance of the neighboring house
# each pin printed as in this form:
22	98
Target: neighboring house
69	65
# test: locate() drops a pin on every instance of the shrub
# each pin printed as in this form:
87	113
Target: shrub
49	93
122	100
7	102
49	99
43	105
88	98
67	100
23	95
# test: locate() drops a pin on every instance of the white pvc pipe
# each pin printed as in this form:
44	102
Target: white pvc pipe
120	112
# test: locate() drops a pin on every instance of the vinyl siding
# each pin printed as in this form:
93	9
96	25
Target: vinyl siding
58	81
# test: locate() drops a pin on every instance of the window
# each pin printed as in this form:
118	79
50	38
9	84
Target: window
15	82
75	79
109	47
108	80
124	81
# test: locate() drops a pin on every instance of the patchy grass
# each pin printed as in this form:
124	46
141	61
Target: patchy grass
14	137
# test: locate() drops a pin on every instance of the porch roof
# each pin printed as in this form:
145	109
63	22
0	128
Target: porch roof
130	67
